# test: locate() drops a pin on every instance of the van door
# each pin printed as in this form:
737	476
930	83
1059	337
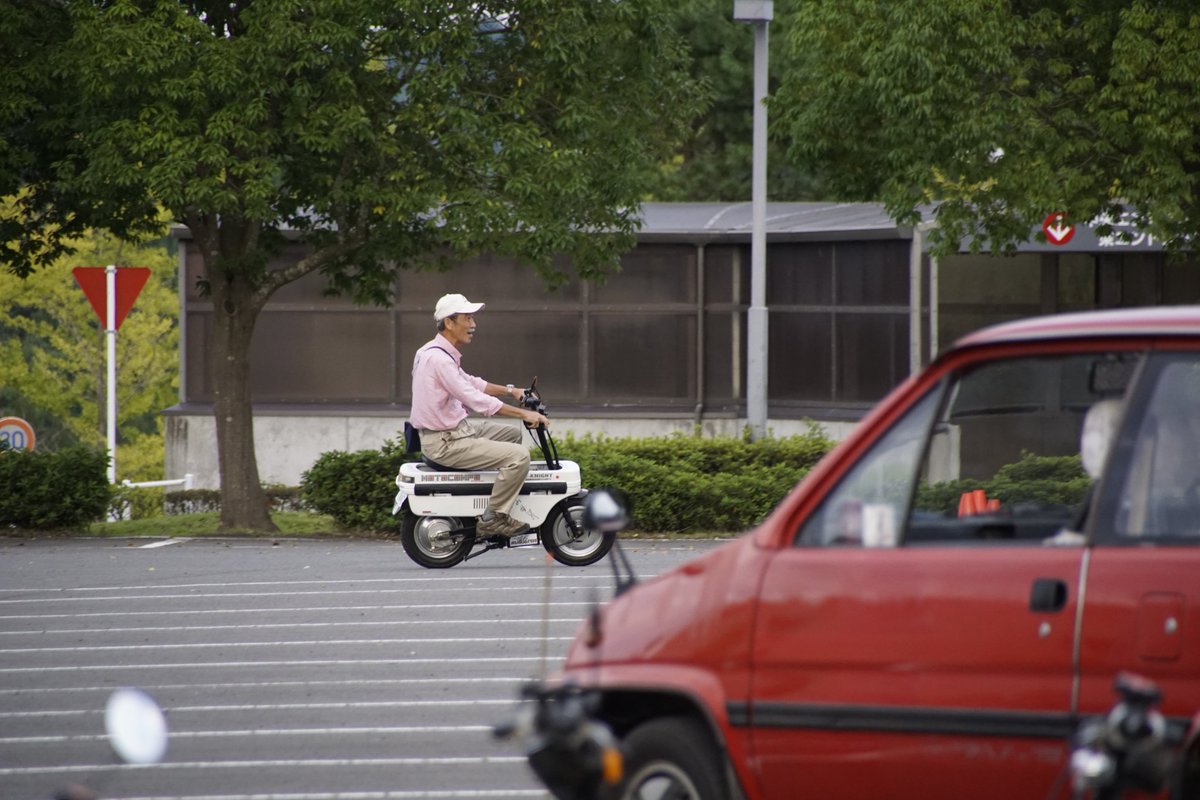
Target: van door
918	640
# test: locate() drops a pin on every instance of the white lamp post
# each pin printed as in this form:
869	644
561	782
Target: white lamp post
758	12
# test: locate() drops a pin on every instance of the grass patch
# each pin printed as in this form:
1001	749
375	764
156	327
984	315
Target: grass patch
290	523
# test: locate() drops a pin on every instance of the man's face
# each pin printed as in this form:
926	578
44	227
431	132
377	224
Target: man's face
460	329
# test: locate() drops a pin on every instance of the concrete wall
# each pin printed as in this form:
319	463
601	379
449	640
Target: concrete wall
287	445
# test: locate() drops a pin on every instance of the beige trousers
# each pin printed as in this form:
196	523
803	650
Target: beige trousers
483	444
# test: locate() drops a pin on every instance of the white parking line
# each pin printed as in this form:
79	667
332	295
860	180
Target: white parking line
231	685
433	794
290	610
319	763
276	707
165	543
235	595
277	625
298	643
340	662
428	730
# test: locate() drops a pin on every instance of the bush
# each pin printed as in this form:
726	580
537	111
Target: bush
53	491
1043	481
356	489
680	483
675	483
136	502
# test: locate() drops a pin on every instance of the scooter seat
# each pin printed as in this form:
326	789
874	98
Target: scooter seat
429	462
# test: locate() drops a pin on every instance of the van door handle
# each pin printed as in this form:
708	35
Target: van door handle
1048	594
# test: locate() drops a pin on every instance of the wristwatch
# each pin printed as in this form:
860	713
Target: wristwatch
509	387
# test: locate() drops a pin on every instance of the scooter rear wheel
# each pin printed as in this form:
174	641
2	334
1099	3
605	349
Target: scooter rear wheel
435	542
588	548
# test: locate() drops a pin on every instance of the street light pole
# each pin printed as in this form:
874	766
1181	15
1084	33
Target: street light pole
758	12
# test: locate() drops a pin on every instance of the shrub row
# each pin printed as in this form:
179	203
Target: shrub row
1031	481
143	502
675	484
57	490
356	489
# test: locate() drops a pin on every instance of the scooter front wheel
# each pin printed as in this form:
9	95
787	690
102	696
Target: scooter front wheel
576	548
436	542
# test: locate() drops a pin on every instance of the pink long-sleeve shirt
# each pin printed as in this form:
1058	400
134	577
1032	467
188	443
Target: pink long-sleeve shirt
442	392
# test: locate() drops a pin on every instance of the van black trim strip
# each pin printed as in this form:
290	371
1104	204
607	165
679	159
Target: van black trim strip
917	720
904	719
484	489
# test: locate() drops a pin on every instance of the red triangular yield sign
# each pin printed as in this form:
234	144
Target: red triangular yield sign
93	281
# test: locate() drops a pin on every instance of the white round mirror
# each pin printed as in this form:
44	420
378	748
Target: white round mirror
605	510
136	726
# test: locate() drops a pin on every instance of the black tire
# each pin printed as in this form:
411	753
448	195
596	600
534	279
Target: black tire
588	548
673	757
432	541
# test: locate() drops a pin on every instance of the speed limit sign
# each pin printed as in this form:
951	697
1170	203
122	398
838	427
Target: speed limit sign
16	434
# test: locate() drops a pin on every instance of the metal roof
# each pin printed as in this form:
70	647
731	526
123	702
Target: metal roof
694	222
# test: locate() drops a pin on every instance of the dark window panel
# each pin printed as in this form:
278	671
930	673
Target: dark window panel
872	355
499	281
872	273
799	356
726	274
321	358
639	357
722	332
197	386
1181	283
508	347
651	274
800	274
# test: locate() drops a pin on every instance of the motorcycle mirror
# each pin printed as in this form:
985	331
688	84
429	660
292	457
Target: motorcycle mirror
605	510
136	726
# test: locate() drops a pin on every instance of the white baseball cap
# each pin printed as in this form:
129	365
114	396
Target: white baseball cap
451	304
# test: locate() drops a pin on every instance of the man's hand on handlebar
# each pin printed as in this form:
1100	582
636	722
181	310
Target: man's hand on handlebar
533	419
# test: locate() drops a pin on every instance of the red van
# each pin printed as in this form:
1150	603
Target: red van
933	609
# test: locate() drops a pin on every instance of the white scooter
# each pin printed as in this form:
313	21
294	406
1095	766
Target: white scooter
442	505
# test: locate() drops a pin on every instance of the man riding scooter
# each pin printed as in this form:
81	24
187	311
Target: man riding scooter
442	395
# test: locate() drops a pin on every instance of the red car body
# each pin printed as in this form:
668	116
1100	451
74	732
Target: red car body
933	653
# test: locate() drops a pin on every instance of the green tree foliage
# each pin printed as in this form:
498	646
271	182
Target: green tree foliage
53	355
714	162
998	113
386	132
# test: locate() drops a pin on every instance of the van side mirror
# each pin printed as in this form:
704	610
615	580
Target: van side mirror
606	510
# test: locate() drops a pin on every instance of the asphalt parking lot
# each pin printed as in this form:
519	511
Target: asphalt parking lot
297	670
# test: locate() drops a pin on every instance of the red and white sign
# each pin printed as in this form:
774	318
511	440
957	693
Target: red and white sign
16	434
93	281
1056	228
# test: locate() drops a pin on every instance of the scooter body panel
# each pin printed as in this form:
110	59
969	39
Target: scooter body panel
433	493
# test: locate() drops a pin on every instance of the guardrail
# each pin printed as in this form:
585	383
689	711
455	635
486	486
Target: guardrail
185	482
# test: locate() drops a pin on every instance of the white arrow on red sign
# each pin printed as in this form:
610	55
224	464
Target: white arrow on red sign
1056	228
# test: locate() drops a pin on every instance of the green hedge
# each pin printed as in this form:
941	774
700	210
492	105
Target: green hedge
676	484
145	502
1045	481
682	484
356	489
57	490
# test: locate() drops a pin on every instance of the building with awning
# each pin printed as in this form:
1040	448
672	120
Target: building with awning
854	305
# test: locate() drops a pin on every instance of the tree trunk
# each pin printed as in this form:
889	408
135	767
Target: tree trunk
235	310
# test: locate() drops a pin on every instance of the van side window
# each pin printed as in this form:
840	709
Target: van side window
1006	458
870	503
1154	494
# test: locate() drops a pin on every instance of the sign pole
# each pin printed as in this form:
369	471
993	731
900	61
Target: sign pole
110	331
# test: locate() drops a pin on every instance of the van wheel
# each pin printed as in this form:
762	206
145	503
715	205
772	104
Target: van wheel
588	548
436	542
673	757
